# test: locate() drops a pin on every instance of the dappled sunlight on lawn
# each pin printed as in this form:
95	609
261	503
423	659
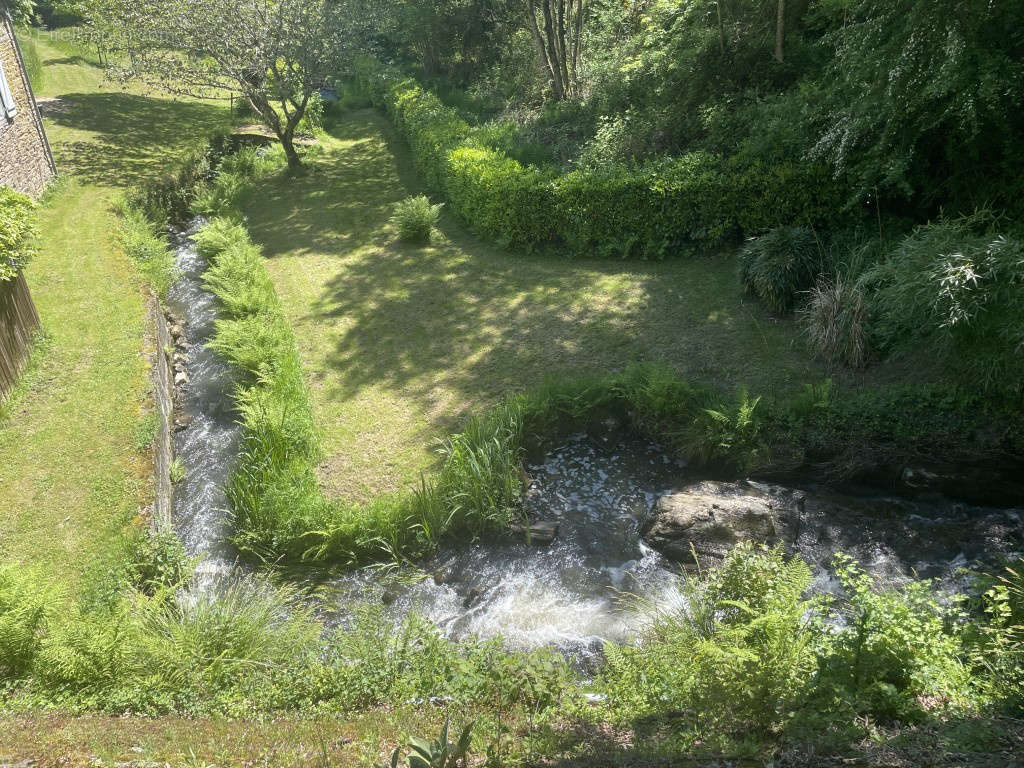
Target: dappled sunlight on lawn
401	342
119	139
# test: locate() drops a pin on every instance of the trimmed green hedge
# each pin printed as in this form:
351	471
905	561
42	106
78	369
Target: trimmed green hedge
650	211
17	229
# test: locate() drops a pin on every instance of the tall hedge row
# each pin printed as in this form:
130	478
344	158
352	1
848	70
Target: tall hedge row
648	211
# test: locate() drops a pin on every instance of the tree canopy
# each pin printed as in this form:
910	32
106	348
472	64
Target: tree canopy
274	53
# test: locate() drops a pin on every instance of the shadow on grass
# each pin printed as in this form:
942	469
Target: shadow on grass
134	137
464	320
965	741
74	61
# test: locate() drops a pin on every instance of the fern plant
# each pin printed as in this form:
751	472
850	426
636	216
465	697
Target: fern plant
728	434
414	219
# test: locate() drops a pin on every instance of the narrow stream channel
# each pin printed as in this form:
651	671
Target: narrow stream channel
597	580
208	443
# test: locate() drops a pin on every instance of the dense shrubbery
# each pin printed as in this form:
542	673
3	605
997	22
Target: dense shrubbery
959	286
17	230
652	210
955	284
763	655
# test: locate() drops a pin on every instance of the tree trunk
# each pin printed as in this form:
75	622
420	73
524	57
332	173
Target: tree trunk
288	144
542	51
721	27
780	30
558	42
285	133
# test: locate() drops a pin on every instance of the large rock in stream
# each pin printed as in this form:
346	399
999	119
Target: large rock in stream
710	518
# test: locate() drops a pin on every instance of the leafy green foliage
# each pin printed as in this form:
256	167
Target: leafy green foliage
147	245
649	211
761	654
415	218
155	561
221	194
169	198
17	230
894	646
778	266
26	602
920	97
751	646
439	753
959	285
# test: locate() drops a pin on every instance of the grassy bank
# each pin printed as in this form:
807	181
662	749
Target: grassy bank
401	344
279	512
74	437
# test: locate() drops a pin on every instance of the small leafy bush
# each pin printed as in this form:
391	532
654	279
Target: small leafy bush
776	267
748	638
17	231
895	645
415	218
155	561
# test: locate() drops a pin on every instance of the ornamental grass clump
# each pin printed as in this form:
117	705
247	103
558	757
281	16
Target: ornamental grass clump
835	322
777	266
415	218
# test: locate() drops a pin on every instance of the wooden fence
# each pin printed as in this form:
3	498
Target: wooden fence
18	324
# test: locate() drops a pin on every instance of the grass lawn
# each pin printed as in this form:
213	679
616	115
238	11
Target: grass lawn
365	739
400	343
72	474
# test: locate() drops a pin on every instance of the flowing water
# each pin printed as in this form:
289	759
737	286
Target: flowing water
208	443
597	580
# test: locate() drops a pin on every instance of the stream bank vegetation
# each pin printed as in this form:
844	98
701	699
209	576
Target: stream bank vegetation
280	514
771	671
653	159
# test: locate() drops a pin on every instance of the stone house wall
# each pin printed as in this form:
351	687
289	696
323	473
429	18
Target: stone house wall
26	165
25	160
